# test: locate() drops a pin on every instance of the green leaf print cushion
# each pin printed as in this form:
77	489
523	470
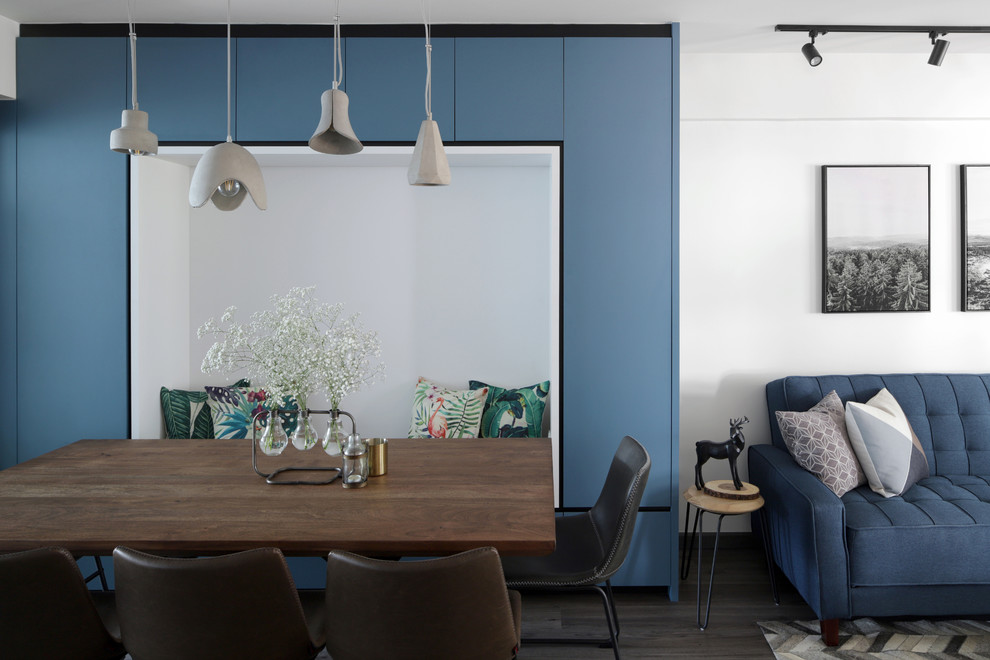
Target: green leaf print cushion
234	408
186	413
513	413
439	412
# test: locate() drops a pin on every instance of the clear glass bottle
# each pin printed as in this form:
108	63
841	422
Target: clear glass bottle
305	435
333	440
354	473
274	440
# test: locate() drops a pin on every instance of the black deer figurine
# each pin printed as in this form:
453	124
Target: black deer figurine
729	449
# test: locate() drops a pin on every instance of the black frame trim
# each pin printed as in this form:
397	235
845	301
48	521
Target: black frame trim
325	31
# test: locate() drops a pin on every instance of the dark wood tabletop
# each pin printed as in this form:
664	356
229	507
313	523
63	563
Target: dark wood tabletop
202	496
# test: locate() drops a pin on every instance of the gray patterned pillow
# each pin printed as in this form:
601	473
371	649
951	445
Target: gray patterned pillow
818	441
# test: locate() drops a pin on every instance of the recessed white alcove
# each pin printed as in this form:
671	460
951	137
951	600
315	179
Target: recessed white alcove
461	282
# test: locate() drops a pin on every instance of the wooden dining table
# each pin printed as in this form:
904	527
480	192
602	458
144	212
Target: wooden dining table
439	496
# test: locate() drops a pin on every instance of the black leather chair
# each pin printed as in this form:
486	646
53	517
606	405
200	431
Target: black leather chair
591	546
448	608
242	605
46	611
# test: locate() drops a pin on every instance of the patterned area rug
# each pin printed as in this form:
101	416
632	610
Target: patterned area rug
867	638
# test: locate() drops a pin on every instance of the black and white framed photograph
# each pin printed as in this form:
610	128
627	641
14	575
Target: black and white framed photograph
975	214
876	235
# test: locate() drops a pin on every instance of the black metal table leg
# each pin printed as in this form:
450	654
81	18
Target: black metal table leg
711	575
768	552
688	547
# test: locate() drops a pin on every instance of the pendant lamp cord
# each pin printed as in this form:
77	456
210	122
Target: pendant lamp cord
428	94
338	58
229	139
133	37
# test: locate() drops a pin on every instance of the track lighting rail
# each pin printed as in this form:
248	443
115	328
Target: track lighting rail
902	29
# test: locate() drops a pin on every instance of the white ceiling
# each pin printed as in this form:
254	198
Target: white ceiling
706	25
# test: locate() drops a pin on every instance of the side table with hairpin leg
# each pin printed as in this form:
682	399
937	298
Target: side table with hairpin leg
725	503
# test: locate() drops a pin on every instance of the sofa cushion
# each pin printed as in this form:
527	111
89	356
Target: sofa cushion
818	442
886	446
934	534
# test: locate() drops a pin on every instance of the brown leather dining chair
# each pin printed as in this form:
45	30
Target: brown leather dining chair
591	546
242	605
448	608
46	611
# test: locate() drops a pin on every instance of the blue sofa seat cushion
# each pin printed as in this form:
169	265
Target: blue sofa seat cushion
937	532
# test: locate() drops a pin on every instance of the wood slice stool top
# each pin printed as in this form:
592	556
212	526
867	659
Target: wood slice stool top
721	505
725	488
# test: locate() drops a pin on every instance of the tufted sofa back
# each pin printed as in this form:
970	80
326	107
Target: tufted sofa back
950	413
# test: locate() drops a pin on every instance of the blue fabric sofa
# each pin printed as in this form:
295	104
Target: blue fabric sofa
925	553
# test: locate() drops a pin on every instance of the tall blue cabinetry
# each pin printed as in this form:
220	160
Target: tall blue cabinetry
610	99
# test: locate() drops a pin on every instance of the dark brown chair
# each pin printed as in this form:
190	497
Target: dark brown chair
448	608
591	546
46	611
242	605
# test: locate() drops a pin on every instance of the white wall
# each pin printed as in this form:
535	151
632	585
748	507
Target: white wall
159	288
8	58
755	130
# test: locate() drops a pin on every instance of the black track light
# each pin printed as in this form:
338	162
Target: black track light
939	47
810	52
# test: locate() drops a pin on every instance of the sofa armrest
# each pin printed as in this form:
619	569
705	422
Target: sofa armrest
807	530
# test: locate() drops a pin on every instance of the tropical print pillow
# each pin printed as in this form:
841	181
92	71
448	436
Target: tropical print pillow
186	413
233	409
513	413
442	413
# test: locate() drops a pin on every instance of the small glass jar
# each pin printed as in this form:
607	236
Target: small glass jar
274	440
354	473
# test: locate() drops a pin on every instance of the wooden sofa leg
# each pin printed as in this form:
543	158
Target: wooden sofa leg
830	631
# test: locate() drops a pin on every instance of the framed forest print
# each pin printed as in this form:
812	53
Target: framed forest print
975	237
876	234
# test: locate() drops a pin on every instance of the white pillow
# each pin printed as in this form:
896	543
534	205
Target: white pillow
887	448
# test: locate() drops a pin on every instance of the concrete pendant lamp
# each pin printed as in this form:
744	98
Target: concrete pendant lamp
227	172
133	136
334	134
429	166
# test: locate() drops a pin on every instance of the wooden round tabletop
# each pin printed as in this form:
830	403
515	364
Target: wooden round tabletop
724	505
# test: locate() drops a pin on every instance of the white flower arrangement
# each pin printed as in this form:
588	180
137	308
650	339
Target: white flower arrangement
298	347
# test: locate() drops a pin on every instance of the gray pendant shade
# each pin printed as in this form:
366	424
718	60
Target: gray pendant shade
227	161
429	166
334	134
133	136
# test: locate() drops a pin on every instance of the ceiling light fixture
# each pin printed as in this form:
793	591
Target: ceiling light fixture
133	136
334	134
429	166
227	172
810	52
939	46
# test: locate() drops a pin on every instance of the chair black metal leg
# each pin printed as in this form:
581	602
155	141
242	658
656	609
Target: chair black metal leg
711	576
611	602
768	553
686	547
609	617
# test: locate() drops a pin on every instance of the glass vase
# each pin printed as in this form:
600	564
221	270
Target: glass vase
274	440
305	435
334	437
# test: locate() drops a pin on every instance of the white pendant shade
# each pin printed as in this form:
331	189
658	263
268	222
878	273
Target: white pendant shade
429	166
227	161
334	134
133	136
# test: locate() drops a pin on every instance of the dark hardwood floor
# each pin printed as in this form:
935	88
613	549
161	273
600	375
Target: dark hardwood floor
654	627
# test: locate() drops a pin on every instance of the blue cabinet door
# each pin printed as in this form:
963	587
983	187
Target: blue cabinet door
8	277
182	85
386	82
510	89
279	83
72	293
619	270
